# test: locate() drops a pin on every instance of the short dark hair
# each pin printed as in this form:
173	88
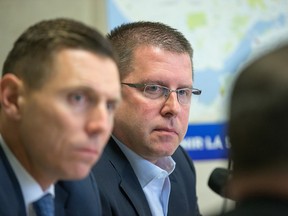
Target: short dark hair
31	57
126	38
258	122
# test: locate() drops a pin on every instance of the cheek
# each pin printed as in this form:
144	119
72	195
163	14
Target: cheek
185	121
143	115
48	123
185	117
109	128
51	131
111	120
127	117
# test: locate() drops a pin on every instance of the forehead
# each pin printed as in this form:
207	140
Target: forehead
155	63
73	67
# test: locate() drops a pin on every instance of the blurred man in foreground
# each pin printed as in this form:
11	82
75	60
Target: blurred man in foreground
58	94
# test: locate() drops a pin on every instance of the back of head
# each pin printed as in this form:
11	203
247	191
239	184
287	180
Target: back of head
258	126
128	37
31	58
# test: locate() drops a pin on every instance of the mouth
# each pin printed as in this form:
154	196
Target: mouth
166	130
88	152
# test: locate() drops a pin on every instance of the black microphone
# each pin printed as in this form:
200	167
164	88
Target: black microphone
218	180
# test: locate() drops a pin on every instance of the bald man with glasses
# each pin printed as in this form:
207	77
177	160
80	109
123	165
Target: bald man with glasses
143	170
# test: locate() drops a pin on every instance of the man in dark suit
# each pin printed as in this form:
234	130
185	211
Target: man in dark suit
73	198
258	131
143	170
56	116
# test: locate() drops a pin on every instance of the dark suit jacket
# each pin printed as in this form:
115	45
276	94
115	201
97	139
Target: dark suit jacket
121	193
261	205
72	198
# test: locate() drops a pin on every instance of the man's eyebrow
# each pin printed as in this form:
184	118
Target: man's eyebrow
150	81
160	82
78	88
81	88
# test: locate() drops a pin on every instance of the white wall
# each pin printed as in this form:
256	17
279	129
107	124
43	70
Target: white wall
209	202
17	15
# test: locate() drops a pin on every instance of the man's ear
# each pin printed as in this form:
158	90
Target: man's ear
11	89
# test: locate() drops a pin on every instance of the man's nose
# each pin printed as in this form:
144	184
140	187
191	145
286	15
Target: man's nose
171	105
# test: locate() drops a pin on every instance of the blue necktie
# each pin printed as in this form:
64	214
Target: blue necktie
44	206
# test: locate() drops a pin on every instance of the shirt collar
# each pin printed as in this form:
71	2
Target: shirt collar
144	169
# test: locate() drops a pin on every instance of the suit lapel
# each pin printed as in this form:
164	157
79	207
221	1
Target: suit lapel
11	198
176	195
135	193
61	197
129	181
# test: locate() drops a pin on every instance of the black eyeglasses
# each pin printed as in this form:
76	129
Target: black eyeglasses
154	91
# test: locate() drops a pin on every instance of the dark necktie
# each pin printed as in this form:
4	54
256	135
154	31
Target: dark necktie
44	206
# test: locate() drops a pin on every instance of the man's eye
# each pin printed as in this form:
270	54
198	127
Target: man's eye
77	98
153	88
185	92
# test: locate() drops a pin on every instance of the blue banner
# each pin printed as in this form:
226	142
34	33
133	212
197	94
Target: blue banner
206	141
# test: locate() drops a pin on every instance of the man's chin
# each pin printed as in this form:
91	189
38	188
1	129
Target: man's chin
77	173
165	152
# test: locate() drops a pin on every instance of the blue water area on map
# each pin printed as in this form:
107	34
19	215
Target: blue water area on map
208	78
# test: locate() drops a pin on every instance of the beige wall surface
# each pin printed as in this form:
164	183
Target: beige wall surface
17	15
